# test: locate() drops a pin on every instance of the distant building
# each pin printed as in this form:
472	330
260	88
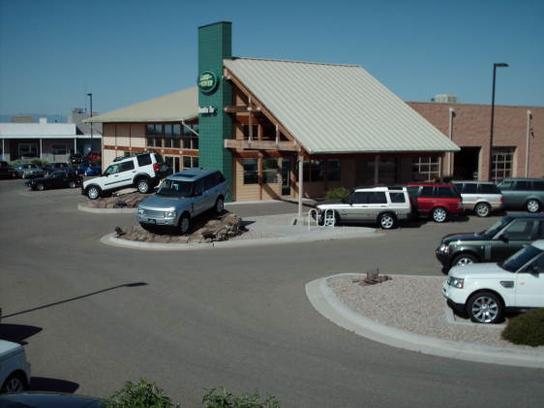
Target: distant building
444	98
43	140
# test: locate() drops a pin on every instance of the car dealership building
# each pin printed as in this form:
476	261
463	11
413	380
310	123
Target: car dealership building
276	128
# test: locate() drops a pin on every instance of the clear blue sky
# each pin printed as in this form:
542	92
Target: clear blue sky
53	52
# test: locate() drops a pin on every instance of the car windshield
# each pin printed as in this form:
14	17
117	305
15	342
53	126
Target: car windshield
520	258
176	188
494	228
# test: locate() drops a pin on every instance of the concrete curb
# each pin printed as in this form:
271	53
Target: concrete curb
84	208
327	304
110	239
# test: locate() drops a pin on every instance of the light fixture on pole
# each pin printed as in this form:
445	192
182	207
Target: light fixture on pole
90	95
495	66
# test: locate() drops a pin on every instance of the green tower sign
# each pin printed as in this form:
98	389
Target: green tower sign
214	124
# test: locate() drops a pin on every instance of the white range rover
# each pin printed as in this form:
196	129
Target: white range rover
484	291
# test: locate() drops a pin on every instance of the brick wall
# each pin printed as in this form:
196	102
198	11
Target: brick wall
471	127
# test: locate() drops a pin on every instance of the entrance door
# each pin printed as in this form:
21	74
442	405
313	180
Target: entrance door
465	163
286	177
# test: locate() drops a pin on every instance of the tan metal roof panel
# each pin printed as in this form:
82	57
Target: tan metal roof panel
173	107
337	108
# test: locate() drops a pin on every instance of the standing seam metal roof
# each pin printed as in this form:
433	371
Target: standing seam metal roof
337	108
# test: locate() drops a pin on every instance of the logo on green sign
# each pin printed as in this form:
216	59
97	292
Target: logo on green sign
207	81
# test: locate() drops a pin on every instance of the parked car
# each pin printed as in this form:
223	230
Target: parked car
439	201
495	244
183	196
56	179
93	156
76	159
14	367
6	171
385	206
88	169
29	170
49	400
486	291
523	194
143	171
51	167
482	197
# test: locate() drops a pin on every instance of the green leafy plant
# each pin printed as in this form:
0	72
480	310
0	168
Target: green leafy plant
338	193
142	394
222	398
527	329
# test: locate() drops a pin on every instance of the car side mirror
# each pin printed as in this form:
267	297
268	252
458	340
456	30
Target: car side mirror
504	238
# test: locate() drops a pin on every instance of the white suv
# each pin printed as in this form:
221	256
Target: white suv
143	171
14	368
384	205
485	291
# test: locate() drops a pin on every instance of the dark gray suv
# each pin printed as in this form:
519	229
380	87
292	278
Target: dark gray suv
523	194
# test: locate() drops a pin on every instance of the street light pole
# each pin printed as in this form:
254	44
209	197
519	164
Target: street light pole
90	95
495	66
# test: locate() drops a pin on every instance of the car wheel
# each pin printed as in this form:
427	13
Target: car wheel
439	214
184	224
387	221
482	209
40	187
533	206
93	192
485	307
219	205
142	185
72	184
14	383
464	259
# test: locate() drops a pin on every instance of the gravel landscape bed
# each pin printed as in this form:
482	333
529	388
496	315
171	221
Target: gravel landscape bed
415	304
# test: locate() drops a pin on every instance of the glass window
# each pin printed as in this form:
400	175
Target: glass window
195	161
195	143
144	159
447	192
176	188
538	185
113	169
426	192
58	149
521	230
488	189
186	142
333	170
251	174
520	258
397	197
522	185
270	171
506	185
126	166
317	169
187	162
377	197
425	168
470	188
502	159
359	197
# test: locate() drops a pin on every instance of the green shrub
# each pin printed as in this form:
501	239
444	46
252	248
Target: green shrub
338	193
527	328
221	398
142	394
39	162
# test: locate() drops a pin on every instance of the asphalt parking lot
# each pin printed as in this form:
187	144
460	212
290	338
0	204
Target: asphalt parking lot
94	316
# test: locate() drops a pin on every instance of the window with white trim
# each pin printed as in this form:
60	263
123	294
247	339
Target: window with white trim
502	163
426	168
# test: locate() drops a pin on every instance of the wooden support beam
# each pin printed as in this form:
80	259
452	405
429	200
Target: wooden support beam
260	145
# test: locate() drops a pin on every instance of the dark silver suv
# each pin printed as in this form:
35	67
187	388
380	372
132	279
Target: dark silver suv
523	194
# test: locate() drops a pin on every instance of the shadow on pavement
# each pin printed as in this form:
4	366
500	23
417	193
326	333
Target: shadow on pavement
17	333
52	385
126	285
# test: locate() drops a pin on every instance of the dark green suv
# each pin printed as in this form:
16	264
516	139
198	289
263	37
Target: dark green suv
494	244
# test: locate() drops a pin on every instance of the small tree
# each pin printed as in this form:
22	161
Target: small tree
142	394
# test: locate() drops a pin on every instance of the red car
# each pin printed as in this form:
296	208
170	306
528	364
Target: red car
93	156
436	200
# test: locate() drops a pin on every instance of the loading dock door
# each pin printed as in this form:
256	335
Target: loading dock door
465	163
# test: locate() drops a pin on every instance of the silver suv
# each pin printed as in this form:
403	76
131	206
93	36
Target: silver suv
384	205
183	196
482	197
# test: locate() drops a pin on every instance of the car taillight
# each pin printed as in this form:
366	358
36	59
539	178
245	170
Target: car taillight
502	199
156	167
